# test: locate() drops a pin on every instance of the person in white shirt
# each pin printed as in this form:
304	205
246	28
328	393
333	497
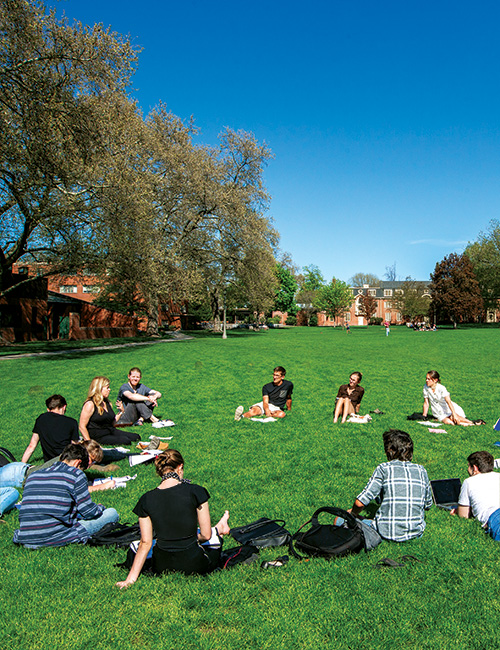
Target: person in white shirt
438	398
480	493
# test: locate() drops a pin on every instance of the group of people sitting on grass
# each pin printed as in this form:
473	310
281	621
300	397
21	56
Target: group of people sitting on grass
57	508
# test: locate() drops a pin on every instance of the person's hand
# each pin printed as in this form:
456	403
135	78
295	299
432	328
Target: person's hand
119	405
124	584
453	511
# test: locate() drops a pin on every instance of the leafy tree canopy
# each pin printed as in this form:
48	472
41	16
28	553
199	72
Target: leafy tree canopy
334	298
359	279
455	290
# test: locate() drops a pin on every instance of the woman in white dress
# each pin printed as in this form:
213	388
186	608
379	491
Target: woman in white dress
438	398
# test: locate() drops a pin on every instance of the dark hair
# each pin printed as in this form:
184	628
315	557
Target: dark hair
434	374
55	402
483	460
135	369
168	461
398	445
356	372
280	369
76	452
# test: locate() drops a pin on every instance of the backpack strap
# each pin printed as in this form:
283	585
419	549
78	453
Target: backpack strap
7	454
336	512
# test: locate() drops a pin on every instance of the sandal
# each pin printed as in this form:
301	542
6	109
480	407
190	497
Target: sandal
387	562
277	563
411	559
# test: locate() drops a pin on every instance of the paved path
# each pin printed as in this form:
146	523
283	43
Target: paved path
175	337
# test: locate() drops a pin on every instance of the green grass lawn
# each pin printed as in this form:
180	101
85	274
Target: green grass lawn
65	599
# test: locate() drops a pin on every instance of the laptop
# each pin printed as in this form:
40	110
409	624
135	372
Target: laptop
446	492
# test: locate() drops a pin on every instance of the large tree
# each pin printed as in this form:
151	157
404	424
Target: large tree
485	257
359	279
412	299
58	86
455	290
334	298
310	282
285	293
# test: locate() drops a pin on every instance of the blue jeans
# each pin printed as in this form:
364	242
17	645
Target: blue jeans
13	474
493	525
8	498
109	516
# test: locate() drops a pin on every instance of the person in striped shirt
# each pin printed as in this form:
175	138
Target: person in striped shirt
56	508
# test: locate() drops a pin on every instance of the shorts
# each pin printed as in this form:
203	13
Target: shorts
272	407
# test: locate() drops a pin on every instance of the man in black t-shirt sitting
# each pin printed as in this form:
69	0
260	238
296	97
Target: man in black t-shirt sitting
275	396
53	430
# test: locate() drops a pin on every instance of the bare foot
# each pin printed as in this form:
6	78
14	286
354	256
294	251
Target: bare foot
223	526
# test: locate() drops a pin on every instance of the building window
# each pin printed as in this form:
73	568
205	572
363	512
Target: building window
398	316
388	316
23	270
372	292
388	305
387	293
348	317
67	288
398	292
89	288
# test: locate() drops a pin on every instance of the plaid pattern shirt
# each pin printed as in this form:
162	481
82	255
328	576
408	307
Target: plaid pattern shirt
405	492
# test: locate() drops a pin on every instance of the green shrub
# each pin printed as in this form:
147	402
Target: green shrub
291	320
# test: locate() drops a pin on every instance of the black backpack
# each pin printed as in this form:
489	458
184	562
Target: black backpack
6	457
262	533
330	540
114	534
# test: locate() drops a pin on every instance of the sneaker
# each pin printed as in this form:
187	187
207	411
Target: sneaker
238	413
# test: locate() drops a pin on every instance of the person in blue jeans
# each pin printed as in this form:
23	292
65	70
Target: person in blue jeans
11	477
480	493
57	509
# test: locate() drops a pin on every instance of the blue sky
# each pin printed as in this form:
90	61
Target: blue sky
383	116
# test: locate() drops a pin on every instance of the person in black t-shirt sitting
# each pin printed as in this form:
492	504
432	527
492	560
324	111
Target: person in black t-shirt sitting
53	429
177	511
275	396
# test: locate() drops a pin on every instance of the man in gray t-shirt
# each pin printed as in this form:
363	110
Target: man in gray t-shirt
136	400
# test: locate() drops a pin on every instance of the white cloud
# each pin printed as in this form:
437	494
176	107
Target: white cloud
438	242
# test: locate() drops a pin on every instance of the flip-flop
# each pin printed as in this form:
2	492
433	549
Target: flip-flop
275	564
387	562
409	558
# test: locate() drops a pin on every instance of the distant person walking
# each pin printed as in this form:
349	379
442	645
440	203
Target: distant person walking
387	328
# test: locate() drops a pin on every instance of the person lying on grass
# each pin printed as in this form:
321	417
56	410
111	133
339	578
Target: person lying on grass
275	396
404	490
177	510
53	429
438	398
57	509
480	493
349	398
14	475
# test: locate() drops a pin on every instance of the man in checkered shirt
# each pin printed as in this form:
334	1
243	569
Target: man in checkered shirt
401	487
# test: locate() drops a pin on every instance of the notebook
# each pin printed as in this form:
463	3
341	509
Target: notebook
446	492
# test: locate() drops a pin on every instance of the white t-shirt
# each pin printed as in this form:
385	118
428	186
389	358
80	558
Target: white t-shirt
439	407
482	493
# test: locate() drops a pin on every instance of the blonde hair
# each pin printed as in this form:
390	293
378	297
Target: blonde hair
95	392
168	461
94	450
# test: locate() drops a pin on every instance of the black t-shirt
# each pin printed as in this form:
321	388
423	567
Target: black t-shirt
174	514
278	395
56	432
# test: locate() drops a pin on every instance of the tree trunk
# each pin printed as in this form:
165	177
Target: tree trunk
152	327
